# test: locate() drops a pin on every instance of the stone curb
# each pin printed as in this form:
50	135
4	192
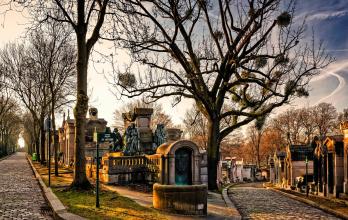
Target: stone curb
59	210
311	203
230	204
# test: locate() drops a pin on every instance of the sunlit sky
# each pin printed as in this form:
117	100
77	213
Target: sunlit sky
329	19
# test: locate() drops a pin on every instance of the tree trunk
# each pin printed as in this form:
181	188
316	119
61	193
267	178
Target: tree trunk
42	141
213	152
258	155
80	111
37	149
55	144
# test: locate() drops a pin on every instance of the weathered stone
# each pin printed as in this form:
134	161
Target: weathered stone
173	134
188	199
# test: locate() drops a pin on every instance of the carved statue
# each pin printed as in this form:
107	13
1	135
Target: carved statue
132	140
118	141
160	135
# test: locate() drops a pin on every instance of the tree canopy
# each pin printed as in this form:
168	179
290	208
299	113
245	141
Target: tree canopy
238	60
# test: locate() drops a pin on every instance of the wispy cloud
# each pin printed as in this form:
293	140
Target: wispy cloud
326	15
333	70
311	16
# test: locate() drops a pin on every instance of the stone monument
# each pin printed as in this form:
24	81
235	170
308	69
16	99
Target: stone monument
176	168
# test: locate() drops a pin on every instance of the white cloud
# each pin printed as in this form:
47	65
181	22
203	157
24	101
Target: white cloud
313	16
332	70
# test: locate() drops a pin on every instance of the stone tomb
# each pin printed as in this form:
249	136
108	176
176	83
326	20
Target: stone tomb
295	162
67	137
279	173
344	129
181	163
177	169
334	165
182	186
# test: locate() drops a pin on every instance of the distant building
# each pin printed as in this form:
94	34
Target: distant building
233	169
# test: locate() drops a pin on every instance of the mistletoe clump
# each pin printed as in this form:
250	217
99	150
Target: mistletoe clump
127	79
289	87
277	74
260	62
284	19
281	59
302	92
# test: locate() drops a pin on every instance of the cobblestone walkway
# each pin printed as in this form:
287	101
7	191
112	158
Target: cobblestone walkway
20	194
260	203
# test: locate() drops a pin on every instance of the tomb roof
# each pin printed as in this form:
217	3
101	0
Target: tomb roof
336	138
300	151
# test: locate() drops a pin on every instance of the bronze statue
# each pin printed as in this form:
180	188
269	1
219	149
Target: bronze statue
118	141
160	135
132	140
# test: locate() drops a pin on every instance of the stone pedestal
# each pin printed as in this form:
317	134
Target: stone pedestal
187	200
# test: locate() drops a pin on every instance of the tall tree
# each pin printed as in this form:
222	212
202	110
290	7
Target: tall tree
306	117
86	18
30	129
10	126
289	125
325	116
29	87
237	59
54	57
255	134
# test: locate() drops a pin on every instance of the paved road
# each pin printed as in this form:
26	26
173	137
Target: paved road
20	194
260	203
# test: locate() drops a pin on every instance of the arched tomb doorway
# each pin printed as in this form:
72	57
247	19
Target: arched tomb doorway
183	166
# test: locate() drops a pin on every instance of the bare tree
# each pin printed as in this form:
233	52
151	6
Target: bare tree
54	57
255	134
245	55
86	18
325	116
196	127
289	125
10	126
306	118
29	86
30	129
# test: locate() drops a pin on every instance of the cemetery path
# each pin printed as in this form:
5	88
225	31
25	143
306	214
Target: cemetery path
261	203
20	194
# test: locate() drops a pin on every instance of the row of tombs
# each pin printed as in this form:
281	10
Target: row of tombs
325	160
176	168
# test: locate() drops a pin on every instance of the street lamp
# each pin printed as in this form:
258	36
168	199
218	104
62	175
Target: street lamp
96	137
306	161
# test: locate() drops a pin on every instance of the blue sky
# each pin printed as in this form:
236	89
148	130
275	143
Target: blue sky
329	18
